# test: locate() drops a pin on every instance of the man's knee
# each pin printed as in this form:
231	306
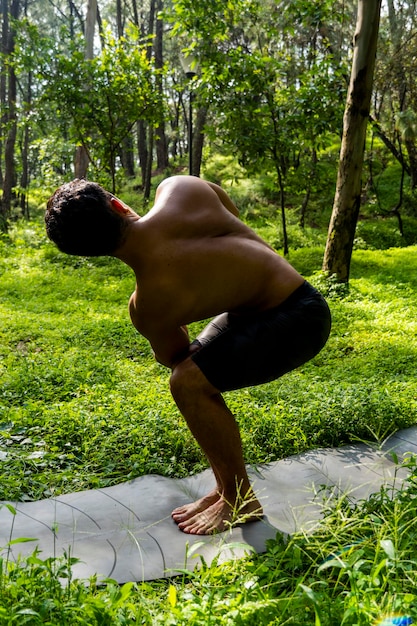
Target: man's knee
187	378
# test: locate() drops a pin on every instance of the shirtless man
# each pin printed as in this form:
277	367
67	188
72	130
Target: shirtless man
194	259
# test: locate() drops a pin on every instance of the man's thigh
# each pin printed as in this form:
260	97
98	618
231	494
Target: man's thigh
248	350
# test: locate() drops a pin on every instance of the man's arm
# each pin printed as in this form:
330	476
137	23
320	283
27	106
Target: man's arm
170	346
170	343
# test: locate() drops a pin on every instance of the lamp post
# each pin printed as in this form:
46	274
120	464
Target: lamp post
189	65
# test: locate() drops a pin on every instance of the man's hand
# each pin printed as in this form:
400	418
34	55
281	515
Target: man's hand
195	346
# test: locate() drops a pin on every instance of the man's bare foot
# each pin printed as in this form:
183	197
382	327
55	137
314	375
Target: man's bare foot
217	516
183	513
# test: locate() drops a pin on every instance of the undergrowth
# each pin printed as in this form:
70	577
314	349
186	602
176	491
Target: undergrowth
357	568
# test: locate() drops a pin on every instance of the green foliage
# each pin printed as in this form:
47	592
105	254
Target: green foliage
96	101
384	233
290	102
42	591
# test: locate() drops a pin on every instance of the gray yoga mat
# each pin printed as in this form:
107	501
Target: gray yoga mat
126	533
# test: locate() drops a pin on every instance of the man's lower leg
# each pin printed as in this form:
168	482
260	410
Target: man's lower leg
216	431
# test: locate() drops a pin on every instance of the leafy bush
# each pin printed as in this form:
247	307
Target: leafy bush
384	233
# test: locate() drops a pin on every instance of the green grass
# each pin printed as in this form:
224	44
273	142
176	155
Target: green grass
84	405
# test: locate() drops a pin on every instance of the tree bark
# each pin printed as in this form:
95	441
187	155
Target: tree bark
198	139
82	160
338	253
127	156
148	171
3	85
126	147
145	139
160	135
142	145
9	157
24	178
3	101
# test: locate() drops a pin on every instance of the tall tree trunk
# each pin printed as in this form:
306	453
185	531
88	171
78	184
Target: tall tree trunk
119	18
127	156
9	161
24	150
81	156
135	13
282	207
160	136
3	83
148	171
145	139
310	178
24	179
142	149
198	139
346	204
126	148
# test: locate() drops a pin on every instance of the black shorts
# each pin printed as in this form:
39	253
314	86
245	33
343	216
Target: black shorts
238	351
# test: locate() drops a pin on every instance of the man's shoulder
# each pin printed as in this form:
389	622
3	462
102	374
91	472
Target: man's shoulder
178	192
182	200
182	181
178	183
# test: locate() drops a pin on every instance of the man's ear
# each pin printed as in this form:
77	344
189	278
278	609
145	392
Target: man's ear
119	206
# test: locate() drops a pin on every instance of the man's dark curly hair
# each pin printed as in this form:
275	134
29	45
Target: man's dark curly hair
81	220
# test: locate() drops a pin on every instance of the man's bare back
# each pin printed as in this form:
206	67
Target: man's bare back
194	259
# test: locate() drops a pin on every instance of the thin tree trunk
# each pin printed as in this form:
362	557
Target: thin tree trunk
81	156
3	96
126	148
142	149
346	204
127	156
24	150
282	207
148	172
198	139
160	136
306	199
24	179
119	18
145	139
9	160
